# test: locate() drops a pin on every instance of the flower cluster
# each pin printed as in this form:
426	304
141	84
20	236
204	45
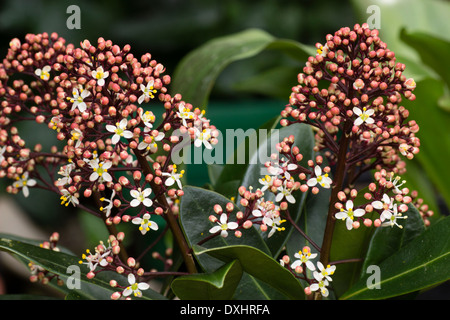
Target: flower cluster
350	93
111	148
321	275
354	86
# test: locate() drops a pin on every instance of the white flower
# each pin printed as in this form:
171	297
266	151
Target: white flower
65	171
323	180
323	50
151	146
284	192
283	169
348	214
43	73
321	286
148	91
110	202
324	273
173	177
266	209
267	182
274	223
24	183
119	130
304	256
223	226
386	206
145	223
93	260
135	288
184	113
391	217
141	197
100	75
147	118
363	116
77	136
404	149
410	84
78	99
100	171
202	137
55	121
395	183
67	198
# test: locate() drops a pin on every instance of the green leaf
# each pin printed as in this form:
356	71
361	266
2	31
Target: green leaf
58	263
233	171
219	285
312	221
196	74
420	264
387	241
348	244
275	83
433	51
259	265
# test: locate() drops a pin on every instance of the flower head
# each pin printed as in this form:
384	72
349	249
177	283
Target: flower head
173	177
149	142
184	114
147	118
119	131
363	116
203	137
147	91
304	257
386	205
100	171
67	198
77	99
43	73
134	287
110	202
223	226
100	75
322	180
390	218
145	224
23	183
348	214
141	196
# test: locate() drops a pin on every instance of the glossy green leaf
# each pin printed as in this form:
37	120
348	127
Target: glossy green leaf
232	172
387	241
433	51
312	221
58	262
196	74
219	285
422	263
348	244
259	265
